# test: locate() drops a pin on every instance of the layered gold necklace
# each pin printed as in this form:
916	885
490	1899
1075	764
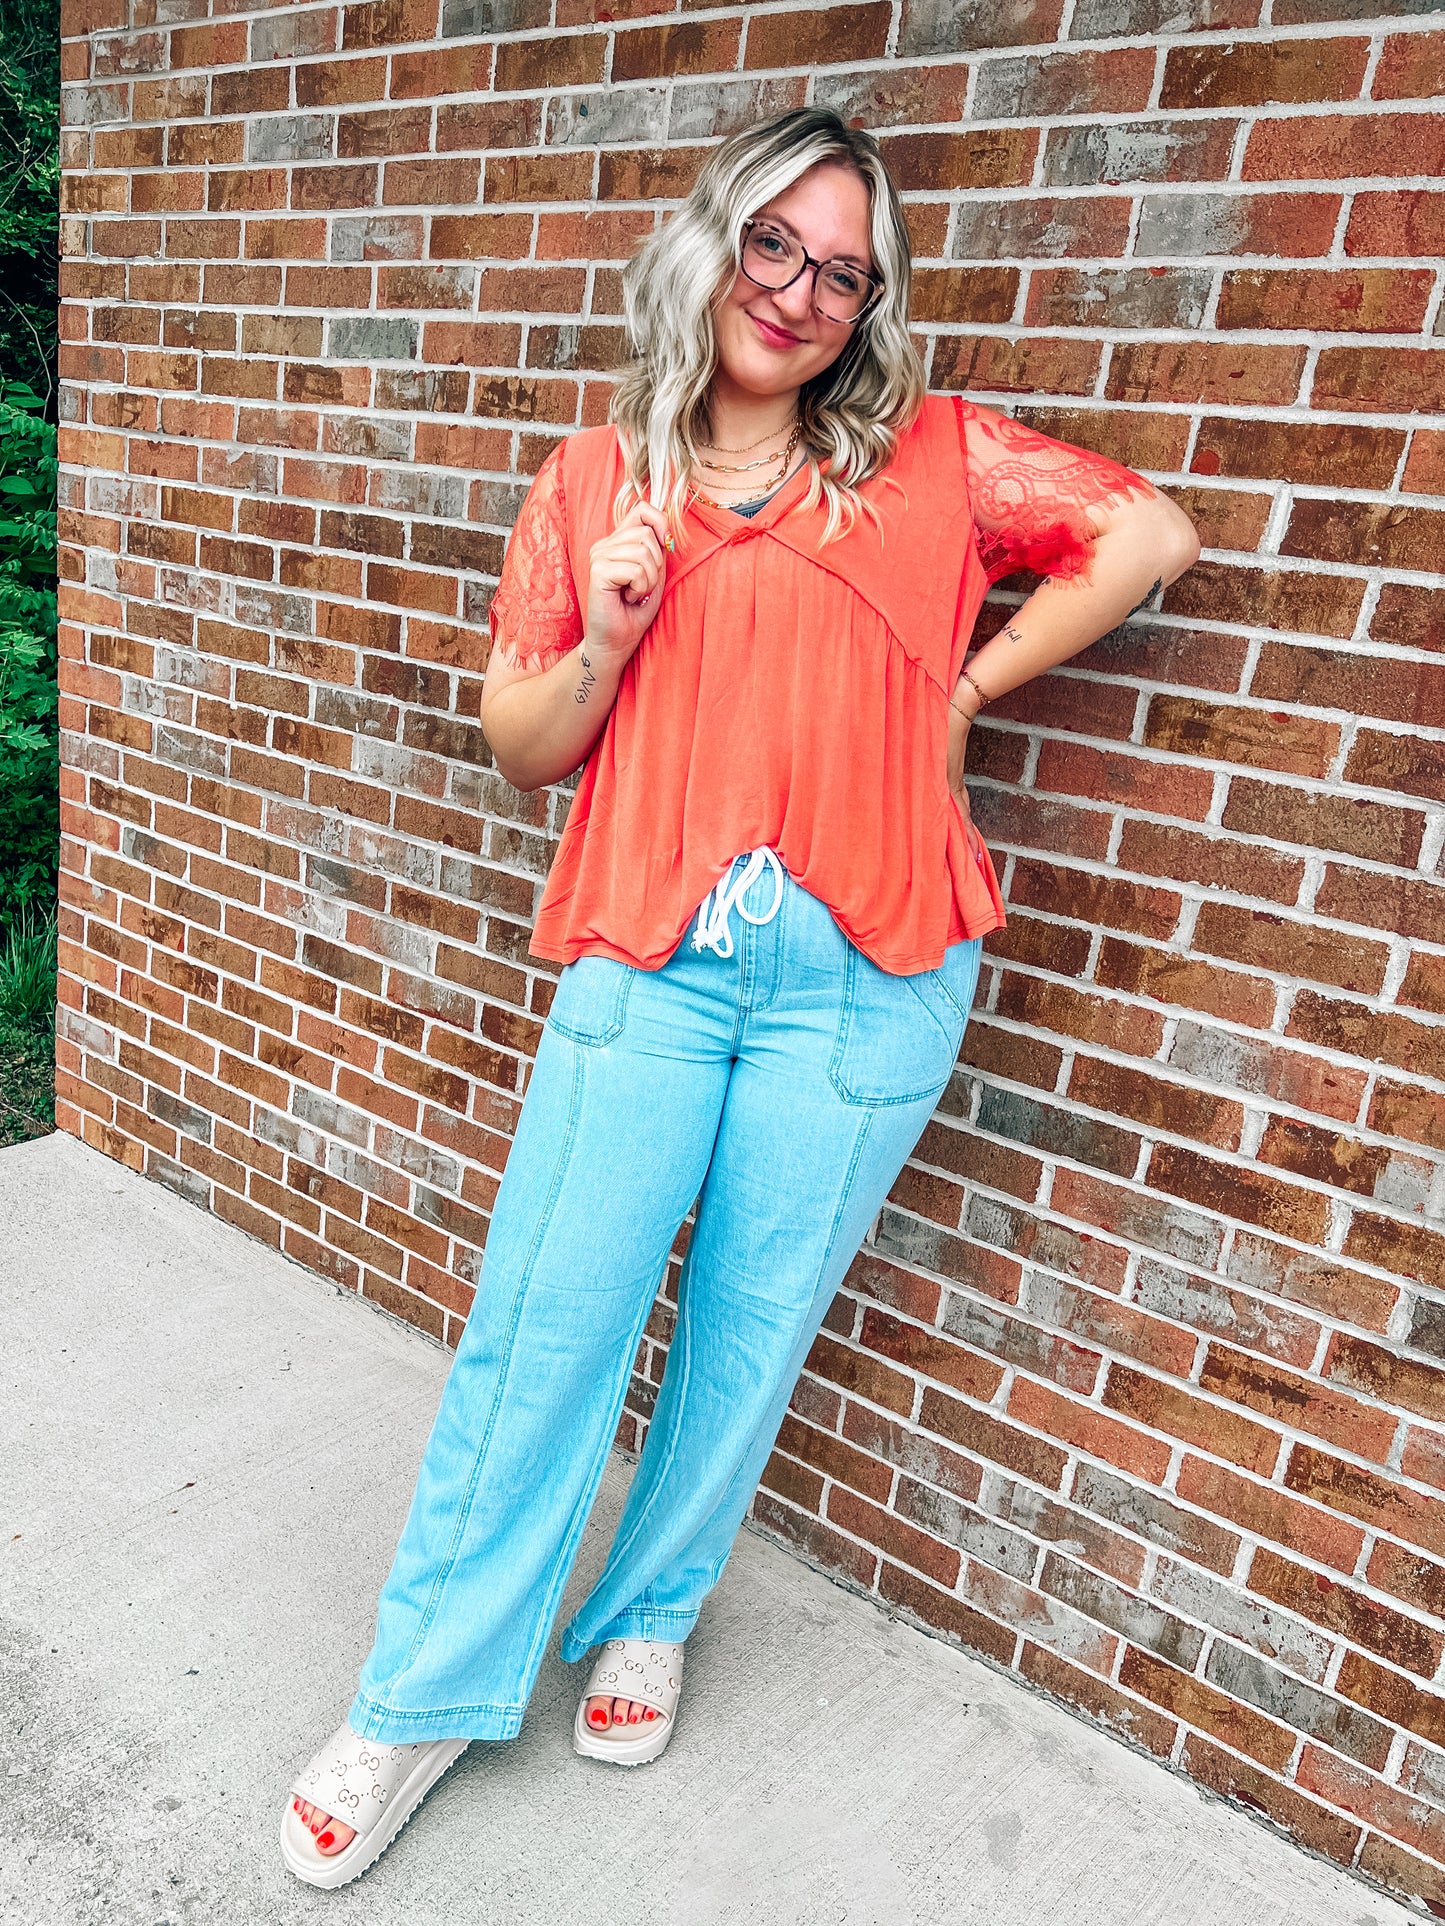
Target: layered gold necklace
765	484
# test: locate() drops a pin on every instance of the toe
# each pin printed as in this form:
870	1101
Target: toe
634	1712
619	1711
599	1712
334	1837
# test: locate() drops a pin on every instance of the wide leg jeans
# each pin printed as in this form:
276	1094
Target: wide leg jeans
780	1086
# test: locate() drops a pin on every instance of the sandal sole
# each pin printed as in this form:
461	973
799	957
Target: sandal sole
621	1752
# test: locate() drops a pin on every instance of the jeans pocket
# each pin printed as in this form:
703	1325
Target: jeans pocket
591	1001
899	1036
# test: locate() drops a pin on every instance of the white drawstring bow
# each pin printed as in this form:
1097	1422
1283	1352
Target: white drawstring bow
713	931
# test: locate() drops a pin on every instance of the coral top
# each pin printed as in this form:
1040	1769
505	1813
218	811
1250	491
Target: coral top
792	693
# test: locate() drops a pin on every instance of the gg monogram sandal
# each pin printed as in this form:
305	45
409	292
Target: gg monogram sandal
367	1784
637	1669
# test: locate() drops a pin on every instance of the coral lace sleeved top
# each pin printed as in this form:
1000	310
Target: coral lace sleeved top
792	693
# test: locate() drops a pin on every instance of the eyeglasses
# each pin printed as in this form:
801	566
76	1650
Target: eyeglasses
772	259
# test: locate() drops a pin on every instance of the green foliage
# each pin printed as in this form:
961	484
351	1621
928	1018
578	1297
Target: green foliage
29	803
27	969
29	189
29	180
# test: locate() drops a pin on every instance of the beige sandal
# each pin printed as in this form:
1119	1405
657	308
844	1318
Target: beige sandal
368	1784
631	1668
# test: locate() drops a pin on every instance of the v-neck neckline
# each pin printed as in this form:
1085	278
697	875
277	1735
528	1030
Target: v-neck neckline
780	499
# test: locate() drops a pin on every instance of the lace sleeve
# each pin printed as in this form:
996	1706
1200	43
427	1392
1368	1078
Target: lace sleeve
1032	495
535	615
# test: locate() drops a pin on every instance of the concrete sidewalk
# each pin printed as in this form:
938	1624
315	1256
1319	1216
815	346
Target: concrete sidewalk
208	1454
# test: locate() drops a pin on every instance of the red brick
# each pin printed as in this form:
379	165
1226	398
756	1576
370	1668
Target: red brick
1394	538
1360	301
1167	976
1410	616
387	23
1096	900
680	47
1221	862
846	33
1403	221
1255	73
1087	1429
922	1603
1408	1250
1205	371
1240	1727
1343	146
1378	1500
1122	776
1297	949
1411	67
1311	1825
1316	453
1270	1514
1385	380
818	1543
1267	739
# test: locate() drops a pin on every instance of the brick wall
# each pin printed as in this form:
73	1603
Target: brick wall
1138	1388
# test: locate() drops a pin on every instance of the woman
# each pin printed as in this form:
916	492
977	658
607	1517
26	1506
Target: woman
744	604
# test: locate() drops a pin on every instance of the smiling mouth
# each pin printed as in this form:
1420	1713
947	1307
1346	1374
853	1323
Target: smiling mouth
776	337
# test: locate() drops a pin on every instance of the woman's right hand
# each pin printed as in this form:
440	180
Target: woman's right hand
626	573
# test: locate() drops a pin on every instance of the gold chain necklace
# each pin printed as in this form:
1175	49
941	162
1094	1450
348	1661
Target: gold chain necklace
736	467
777	480
714	449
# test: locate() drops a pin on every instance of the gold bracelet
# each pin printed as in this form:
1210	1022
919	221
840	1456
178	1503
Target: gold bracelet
983	700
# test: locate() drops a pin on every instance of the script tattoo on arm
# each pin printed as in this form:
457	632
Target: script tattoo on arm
1010	634
587	684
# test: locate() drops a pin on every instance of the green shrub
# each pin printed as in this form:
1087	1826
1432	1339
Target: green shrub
29	804
29	190
29	225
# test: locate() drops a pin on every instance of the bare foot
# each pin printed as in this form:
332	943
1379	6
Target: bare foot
602	1714
330	1835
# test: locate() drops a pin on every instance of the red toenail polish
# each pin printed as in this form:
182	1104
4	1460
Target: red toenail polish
326	1839
599	1718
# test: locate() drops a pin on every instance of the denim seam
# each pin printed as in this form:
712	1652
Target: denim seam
617	1552
486	1708
846	1192
562	1563
778	929
469	1495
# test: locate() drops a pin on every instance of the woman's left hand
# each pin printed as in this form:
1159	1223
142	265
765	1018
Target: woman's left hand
958	732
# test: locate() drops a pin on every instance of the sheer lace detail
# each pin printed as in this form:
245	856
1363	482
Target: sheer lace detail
535	615
1032	495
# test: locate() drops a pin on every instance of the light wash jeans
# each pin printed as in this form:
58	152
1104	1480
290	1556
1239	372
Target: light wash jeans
779	1079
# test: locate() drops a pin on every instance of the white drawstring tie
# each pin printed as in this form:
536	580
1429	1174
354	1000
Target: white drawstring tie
712	931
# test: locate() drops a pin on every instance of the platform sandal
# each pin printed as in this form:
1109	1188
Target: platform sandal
367	1784
637	1669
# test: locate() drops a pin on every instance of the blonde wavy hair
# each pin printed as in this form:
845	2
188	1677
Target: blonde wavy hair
852	413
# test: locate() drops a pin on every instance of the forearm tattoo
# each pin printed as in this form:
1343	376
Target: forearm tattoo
1147	597
1011	634
588	682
